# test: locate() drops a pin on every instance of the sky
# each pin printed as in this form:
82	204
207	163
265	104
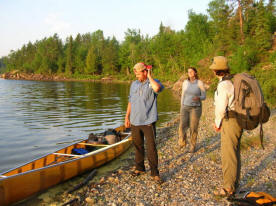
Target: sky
23	21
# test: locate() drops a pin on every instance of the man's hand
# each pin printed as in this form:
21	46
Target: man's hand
155	85
216	129
149	73
127	123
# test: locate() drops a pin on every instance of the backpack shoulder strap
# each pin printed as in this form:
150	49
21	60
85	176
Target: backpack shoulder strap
228	77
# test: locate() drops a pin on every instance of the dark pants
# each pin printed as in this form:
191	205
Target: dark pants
147	132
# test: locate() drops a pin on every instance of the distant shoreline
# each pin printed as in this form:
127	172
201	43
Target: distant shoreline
15	75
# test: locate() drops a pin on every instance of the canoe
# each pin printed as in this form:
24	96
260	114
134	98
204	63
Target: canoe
42	173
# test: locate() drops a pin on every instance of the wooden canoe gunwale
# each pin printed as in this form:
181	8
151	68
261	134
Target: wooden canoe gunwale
53	174
63	162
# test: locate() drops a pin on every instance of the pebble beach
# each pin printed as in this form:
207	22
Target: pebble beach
188	178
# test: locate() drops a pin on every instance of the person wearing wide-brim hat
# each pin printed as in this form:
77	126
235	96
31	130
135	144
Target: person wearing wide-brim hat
227	125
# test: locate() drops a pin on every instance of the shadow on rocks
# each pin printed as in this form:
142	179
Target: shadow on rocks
255	172
193	157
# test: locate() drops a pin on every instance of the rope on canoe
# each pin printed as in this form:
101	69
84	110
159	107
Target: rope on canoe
87	179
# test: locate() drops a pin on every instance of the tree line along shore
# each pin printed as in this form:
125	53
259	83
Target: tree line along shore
244	31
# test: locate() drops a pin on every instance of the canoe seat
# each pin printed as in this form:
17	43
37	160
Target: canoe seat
69	155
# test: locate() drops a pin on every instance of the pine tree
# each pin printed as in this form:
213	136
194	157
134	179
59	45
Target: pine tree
197	37
220	14
69	57
110	56
262	31
130	52
271	14
91	61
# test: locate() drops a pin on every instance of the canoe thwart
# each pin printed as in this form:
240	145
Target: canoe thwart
69	155
96	145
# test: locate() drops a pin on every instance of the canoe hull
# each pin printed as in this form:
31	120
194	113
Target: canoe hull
25	184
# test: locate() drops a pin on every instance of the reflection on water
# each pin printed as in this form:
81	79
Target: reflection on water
39	117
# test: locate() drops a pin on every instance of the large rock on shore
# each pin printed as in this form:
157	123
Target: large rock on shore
177	87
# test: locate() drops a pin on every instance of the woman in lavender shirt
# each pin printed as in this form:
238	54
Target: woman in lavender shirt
193	92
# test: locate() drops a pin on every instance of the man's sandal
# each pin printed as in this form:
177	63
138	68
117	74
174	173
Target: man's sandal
223	193
136	173
157	179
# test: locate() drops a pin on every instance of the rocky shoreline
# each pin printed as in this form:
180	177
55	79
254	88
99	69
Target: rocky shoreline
189	179
15	75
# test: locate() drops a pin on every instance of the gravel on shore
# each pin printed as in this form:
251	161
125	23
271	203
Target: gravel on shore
189	179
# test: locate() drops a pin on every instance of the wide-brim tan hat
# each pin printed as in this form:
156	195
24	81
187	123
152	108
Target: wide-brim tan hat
219	63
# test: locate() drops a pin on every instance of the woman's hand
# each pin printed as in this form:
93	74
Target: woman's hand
196	99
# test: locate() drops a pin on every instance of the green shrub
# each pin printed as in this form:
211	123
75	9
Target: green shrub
272	58
267	80
238	62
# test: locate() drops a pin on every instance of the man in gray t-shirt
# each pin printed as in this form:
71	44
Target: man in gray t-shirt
142	115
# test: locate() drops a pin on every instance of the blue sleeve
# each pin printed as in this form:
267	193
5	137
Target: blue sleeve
162	86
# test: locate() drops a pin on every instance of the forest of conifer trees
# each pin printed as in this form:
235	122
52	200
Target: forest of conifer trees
240	29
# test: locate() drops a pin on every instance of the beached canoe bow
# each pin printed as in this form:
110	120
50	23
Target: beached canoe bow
42	173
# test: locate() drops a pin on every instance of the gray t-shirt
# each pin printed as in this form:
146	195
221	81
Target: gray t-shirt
191	90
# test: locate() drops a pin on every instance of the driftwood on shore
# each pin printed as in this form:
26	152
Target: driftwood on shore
88	178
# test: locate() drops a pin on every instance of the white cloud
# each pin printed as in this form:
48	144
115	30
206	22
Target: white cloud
56	24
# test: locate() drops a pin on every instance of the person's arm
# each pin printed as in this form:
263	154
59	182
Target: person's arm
221	102
202	90
156	86
184	87
127	121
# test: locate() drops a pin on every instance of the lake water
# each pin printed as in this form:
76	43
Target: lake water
39	117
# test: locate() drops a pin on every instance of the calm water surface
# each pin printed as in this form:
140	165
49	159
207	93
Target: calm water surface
37	118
